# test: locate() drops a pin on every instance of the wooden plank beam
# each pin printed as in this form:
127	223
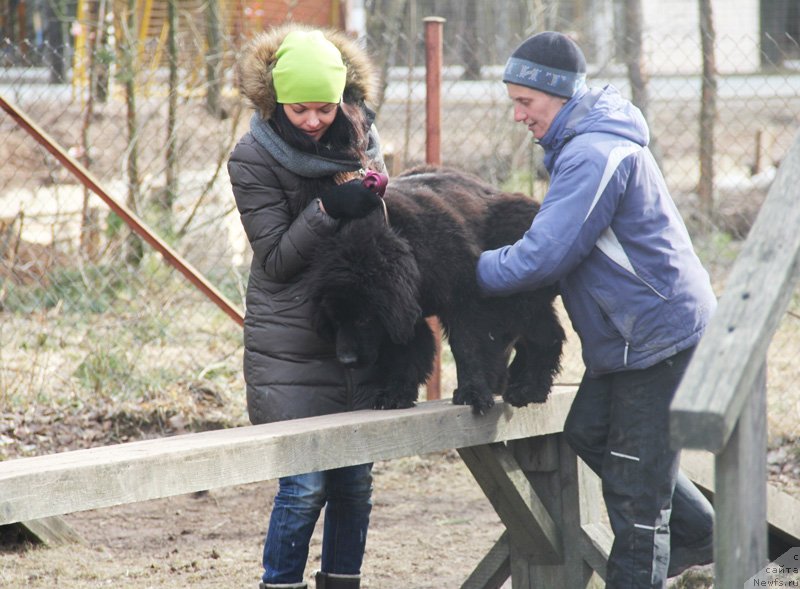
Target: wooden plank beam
727	360
32	488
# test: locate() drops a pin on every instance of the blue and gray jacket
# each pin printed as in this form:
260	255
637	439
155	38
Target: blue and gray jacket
610	235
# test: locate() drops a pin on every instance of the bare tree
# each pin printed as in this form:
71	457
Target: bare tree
632	49
632	55
55	35
213	58
470	41
171	188
128	49
543	15
708	109
385	23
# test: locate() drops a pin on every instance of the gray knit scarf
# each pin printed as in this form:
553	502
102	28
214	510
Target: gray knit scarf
308	165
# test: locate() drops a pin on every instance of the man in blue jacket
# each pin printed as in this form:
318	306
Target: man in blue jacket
609	234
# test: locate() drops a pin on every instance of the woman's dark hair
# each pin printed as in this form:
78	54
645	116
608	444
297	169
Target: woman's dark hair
346	137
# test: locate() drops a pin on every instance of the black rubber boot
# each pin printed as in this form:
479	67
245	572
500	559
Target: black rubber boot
332	581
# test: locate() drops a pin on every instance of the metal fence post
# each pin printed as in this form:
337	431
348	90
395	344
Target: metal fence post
434	26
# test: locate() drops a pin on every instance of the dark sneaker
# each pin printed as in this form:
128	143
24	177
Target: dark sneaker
684	557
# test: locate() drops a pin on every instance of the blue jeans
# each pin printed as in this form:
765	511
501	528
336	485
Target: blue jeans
346	495
619	425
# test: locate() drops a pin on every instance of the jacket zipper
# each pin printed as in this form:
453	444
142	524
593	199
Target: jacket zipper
625	354
651	287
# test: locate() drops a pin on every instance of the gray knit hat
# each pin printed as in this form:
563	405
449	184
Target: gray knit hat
550	62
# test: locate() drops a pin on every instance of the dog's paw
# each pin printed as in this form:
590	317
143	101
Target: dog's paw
386	399
519	394
481	403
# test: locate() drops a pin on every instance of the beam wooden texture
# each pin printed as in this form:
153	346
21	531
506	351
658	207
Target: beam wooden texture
42	486
740	501
587	540
50	531
522	511
596	543
494	569
552	508
571	494
539	460
727	361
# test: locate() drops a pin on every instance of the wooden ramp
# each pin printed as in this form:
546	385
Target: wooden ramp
547	499
549	506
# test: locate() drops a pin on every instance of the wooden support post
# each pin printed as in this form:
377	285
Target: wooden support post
522	510
740	528
495	568
51	531
571	493
551	505
539	460
587	540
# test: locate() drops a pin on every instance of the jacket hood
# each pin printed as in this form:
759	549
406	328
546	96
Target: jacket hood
597	110
258	60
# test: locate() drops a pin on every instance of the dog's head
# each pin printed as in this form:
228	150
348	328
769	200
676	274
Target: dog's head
364	288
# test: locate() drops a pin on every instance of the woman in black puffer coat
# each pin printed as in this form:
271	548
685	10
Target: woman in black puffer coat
310	132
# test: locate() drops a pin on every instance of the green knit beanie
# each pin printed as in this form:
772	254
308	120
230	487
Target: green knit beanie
309	68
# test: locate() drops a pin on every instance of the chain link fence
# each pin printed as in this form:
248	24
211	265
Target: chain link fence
90	314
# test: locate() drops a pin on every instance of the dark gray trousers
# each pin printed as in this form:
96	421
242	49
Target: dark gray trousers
619	425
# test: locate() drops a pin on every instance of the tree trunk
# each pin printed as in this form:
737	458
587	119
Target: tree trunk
213	58
543	15
385	23
101	58
171	187
470	50
89	237
637	76
708	110
134	246
54	37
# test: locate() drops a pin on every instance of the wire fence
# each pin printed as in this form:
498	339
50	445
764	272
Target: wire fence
89	313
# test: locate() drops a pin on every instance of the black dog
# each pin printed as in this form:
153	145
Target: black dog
373	283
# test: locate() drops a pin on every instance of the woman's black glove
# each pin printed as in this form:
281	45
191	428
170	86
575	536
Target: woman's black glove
351	200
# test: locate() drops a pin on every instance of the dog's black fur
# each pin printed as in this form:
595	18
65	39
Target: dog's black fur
373	284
